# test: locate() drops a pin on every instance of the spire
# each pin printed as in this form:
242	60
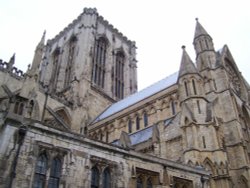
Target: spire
202	40
187	66
11	62
37	56
41	43
199	30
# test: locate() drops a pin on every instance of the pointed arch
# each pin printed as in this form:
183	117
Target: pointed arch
243	182
209	166
190	163
149	183
64	114
152	109
164	104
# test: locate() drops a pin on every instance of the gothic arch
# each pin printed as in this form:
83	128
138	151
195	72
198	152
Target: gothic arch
209	166
164	104
120	51
190	163
104	38
152	110
73	38
64	114
243	182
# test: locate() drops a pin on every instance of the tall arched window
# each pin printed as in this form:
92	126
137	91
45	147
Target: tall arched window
55	69
106	179
129	126
119	75
95	175
69	66
98	73
145	119
40	171
137	123
149	183
55	173
139	183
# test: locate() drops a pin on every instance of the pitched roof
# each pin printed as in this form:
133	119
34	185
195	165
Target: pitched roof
138	137
139	96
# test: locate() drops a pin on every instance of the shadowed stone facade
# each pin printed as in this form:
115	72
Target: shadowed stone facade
75	118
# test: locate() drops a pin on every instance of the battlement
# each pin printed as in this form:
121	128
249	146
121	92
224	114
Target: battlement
9	68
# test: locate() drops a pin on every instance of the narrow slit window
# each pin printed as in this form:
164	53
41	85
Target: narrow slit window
173	107
194	87
198	106
204	142
129	126
186	88
137	123
145	117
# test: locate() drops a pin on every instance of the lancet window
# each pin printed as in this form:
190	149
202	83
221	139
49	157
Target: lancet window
70	63
98	74
119	75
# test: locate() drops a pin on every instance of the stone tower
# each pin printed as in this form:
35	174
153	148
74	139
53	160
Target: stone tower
89	63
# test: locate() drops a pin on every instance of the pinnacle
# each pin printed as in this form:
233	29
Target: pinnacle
187	66
199	30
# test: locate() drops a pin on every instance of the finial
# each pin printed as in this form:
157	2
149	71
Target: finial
183	47
197	19
44	32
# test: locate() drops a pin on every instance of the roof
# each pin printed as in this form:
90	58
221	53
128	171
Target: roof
141	136
138	137
139	96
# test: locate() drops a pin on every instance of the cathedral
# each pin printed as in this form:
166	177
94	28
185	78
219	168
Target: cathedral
75	119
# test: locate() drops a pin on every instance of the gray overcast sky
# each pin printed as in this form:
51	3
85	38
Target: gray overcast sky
159	27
